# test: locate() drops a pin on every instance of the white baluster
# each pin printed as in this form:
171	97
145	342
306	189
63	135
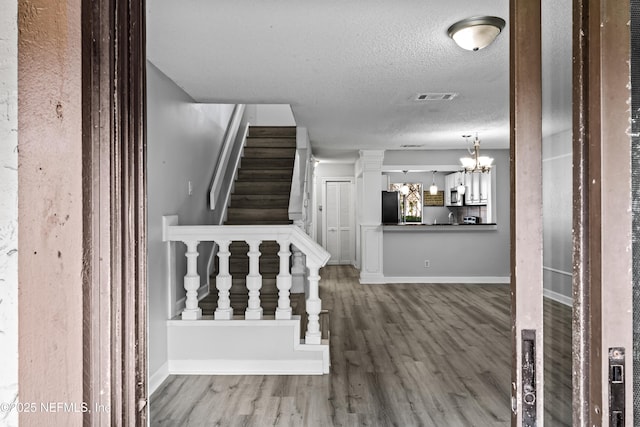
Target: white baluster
297	271
254	281
192	283
314	306
283	281
223	283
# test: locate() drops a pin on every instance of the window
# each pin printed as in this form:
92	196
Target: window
411	204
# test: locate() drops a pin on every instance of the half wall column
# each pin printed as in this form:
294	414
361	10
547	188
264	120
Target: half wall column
370	165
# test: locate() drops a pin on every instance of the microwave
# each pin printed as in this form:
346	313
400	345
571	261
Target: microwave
456	199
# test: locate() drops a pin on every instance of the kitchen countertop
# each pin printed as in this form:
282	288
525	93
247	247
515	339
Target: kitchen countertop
439	227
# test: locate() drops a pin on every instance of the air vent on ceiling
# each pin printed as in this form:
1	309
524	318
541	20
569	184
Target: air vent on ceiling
412	145
434	96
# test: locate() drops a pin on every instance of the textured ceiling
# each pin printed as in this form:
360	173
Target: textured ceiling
349	68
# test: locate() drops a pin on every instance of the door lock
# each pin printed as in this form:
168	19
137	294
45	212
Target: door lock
529	378
616	387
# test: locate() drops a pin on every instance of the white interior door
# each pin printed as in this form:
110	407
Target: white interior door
338	228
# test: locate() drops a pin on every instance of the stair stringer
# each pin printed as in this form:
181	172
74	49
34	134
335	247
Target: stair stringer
243	347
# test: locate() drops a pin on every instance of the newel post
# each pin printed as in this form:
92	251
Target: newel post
192	282
314	306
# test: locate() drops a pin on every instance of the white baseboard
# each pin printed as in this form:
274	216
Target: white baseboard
158	378
246	367
558	297
370	279
446	279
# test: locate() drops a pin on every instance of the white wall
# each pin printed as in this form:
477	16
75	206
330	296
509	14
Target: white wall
8	209
183	144
458	254
557	214
270	115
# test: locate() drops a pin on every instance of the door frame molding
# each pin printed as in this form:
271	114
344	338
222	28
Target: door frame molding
352	234
114	211
525	71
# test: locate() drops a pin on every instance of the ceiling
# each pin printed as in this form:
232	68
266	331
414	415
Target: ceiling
350	69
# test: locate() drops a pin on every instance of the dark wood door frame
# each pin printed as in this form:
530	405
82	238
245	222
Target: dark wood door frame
114	206
602	204
525	70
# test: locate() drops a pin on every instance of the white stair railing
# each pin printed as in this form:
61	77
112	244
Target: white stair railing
286	235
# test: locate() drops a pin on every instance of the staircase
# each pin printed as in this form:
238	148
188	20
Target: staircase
260	197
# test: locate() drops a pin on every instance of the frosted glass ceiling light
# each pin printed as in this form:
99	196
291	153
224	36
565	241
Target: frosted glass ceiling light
477	32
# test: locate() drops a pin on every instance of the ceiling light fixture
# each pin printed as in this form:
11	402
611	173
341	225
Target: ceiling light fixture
477	163
477	32
433	190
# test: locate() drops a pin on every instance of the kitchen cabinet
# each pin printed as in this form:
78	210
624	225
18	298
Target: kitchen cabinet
451	183
478	188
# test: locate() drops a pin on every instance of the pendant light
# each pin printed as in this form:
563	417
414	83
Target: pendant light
461	188
433	190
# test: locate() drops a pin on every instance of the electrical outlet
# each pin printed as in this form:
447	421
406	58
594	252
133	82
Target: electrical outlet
427	263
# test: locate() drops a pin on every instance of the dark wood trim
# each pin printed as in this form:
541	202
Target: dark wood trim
525	69
114	163
586	228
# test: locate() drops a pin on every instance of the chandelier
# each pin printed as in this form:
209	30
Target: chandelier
476	163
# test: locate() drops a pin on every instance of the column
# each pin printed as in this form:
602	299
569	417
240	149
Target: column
370	163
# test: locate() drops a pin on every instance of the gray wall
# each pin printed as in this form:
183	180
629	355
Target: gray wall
455	253
557	213
184	140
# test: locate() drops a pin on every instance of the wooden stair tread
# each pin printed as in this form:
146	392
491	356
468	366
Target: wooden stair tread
271	142
272	131
260	163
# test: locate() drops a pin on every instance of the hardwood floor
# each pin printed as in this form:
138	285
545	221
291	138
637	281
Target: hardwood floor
402	355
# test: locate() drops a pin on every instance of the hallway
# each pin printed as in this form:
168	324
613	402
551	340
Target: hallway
402	355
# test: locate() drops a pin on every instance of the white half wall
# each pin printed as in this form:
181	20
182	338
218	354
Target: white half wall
184	139
8	209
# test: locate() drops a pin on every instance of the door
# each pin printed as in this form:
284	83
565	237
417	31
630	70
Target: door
338	225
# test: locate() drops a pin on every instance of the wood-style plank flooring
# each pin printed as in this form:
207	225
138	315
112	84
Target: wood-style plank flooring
401	355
